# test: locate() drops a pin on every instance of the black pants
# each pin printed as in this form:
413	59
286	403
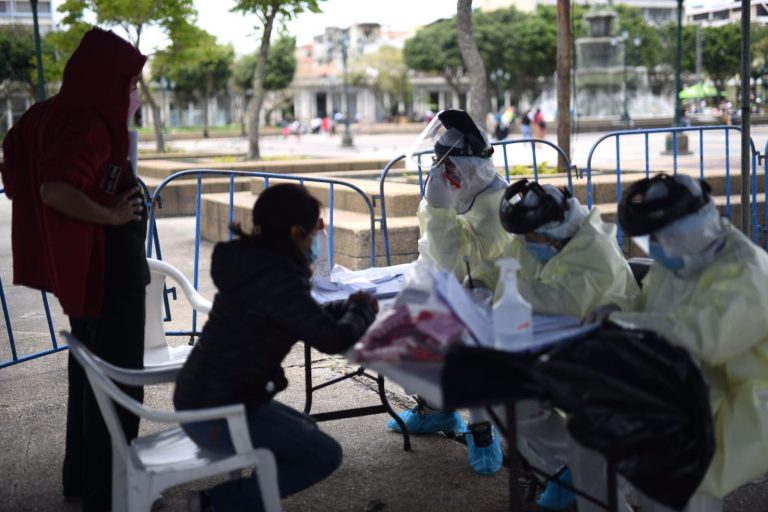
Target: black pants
117	336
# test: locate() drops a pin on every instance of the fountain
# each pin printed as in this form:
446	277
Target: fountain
601	77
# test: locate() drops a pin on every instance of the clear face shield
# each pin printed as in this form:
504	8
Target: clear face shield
642	242
422	151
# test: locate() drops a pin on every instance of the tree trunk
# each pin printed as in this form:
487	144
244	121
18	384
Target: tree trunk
254	108
479	105
563	79
156	119
206	99
206	134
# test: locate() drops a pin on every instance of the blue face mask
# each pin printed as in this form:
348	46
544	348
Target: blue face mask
542	252
658	254
314	251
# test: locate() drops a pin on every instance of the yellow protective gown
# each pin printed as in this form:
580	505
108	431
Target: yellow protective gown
589	271
446	237
719	316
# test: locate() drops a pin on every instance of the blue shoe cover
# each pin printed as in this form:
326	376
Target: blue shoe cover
418	421
557	497
485	460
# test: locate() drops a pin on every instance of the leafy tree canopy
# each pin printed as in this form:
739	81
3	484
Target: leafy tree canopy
281	66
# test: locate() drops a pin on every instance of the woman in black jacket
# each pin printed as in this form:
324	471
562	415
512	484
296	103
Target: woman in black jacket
263	306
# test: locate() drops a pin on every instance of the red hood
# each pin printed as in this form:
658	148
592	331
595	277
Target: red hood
98	76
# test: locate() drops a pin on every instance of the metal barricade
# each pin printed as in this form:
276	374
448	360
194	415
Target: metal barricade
675	133
16	357
381	197
199	174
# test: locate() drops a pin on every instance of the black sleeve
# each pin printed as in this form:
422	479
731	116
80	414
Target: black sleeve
294	310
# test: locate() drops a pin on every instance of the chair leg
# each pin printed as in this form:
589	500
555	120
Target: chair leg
139	493
266	473
119	483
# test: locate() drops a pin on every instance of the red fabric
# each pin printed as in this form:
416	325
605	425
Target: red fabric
74	138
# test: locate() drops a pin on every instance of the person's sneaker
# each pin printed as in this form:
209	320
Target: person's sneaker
422	420
199	501
483	448
557	497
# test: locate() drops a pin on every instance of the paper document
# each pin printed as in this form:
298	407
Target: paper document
382	282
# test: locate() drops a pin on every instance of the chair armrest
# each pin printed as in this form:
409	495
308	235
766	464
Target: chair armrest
199	303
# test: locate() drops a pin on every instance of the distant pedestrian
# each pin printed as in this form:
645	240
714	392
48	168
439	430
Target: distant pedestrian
525	125
539	125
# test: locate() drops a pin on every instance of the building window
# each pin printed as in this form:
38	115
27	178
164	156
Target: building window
22	6
701	17
720	15
762	10
3	6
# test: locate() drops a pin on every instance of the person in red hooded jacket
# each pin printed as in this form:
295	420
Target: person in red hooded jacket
78	230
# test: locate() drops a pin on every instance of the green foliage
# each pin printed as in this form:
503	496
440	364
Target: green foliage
281	66
197	65
286	9
386	72
721	52
543	167
134	16
434	48
17	57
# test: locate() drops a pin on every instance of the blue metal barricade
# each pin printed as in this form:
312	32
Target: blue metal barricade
16	356
675	132
199	174
503	145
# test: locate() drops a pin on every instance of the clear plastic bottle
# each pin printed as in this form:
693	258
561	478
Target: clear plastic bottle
322	265
512	315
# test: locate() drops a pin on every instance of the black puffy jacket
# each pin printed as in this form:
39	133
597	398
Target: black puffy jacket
262	308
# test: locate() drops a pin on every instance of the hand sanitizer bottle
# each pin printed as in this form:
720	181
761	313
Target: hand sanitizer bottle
512	316
322	265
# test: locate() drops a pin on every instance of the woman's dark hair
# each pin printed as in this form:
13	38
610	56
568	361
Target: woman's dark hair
276	210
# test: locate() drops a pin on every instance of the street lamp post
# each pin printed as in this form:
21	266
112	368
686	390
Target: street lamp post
680	140
346	140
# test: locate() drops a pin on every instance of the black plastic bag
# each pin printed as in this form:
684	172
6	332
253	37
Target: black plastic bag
629	395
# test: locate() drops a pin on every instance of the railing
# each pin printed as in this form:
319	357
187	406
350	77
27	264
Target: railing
54	345
674	132
505	155
156	199
154	249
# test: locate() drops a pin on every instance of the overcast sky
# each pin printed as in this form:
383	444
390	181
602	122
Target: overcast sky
214	16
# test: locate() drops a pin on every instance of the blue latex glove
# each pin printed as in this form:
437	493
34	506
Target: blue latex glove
439	191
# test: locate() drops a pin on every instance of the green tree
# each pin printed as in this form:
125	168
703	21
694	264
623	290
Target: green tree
134	17
721	53
197	65
435	49
386	73
281	67
17	58
663	74
268	12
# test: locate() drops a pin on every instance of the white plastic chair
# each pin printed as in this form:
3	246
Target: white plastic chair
147	466
157	352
